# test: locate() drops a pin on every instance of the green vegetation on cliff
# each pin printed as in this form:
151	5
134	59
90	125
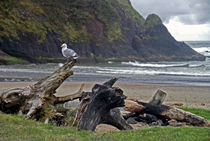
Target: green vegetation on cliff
106	28
40	17
66	17
152	20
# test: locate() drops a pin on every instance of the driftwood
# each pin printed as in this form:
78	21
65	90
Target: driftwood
99	106
84	101
37	101
115	119
132	105
167	112
154	111
158	98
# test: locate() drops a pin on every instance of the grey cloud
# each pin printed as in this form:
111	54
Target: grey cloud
188	11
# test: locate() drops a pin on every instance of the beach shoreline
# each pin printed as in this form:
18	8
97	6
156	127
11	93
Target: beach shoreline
189	96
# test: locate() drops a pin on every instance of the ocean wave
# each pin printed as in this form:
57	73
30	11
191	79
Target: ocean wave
152	65
26	70
196	65
203	50
151	72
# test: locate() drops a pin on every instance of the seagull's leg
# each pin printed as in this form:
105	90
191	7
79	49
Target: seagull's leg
68	60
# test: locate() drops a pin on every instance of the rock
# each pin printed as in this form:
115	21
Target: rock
148	118
131	121
140	125
175	123
105	29
152	20
178	104
203	104
157	123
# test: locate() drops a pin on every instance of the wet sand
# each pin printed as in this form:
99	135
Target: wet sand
190	96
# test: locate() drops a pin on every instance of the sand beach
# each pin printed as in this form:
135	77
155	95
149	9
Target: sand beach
189	96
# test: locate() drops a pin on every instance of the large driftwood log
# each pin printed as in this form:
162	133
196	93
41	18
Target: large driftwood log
37	101
168	112
163	112
99	106
133	107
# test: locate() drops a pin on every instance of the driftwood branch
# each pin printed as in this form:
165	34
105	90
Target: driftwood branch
70	97
110	83
47	86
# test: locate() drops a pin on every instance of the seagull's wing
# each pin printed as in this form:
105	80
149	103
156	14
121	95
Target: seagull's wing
70	53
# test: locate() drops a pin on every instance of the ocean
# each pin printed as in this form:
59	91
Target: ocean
195	73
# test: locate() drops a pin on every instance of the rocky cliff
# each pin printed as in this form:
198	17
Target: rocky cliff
102	29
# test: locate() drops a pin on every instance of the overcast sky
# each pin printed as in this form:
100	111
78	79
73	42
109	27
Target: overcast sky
185	19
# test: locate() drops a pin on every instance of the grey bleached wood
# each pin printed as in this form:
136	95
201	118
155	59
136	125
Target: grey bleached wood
158	98
37	101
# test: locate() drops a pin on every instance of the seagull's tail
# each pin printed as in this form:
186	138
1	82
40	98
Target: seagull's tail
75	56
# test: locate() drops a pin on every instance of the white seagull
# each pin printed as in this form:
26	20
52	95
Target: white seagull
68	53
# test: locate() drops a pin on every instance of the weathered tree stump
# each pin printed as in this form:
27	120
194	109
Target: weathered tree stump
37	101
99	106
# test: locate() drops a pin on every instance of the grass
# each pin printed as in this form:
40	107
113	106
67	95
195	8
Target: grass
13	127
162	134
201	112
18	128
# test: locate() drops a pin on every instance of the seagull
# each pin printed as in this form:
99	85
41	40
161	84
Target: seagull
68	53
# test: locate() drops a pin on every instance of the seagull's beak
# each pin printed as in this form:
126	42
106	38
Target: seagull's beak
61	46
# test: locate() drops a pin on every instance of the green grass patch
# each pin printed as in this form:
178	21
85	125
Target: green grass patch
18	128
162	134
198	111
13	127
